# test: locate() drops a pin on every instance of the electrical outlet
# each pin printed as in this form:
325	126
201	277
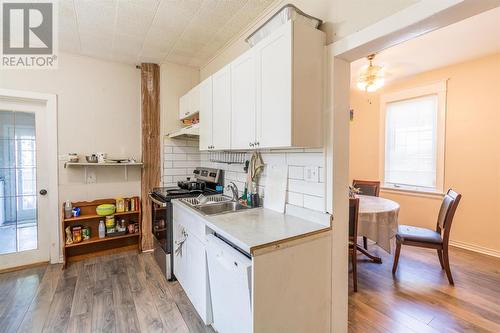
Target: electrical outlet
91	177
311	174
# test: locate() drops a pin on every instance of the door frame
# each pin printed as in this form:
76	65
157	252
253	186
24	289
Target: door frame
50	101
411	22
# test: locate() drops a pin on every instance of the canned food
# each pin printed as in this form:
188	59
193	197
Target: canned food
85	233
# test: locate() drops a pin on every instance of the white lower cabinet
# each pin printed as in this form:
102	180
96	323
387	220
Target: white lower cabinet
190	263
282	288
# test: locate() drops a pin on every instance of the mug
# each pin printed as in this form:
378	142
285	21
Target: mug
101	157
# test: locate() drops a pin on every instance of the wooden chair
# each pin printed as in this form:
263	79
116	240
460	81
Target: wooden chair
428	238
353	235
367	187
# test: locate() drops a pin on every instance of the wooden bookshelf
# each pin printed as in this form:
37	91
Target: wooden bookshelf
98	246
95	216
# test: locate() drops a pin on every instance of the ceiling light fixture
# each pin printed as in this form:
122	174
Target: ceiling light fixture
371	77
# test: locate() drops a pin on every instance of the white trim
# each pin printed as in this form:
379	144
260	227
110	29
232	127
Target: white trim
475	248
414	21
436	88
50	101
413	193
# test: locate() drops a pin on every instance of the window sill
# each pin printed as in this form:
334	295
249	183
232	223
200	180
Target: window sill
410	192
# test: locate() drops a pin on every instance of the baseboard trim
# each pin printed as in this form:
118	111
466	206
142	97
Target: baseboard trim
475	248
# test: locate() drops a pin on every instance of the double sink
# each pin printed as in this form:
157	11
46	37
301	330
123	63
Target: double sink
215	205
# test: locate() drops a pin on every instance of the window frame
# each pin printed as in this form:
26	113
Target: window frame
437	88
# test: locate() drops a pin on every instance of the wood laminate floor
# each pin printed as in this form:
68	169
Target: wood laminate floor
419	298
118	293
127	293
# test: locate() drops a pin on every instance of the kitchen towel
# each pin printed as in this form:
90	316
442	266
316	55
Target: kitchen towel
254	170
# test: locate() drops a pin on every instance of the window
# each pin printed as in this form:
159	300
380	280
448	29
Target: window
413	139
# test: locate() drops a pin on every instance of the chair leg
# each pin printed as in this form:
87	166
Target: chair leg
396	257
365	243
354	270
446	260
440	255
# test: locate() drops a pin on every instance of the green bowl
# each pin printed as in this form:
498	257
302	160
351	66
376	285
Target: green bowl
105	209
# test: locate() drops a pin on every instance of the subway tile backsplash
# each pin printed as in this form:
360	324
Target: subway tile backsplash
182	156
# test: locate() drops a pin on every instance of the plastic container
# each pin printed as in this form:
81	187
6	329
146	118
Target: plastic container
68	210
105	209
102	229
287	13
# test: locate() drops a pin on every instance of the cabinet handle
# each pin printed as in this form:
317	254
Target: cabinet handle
251	144
257	143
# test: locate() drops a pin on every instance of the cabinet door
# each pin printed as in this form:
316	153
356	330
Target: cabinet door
190	268
184	106
243	101
194	100
205	91
221	125
274	89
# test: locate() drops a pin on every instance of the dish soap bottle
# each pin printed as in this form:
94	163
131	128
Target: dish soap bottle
102	229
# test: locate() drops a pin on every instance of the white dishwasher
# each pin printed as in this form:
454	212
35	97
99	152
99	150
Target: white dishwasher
230	286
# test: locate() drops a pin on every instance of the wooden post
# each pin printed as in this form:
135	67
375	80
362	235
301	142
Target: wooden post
150	101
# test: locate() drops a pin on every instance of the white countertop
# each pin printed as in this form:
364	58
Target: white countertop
257	227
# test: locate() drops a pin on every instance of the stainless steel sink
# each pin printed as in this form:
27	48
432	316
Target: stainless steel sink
220	208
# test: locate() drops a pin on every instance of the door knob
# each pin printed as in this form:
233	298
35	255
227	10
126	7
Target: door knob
43	191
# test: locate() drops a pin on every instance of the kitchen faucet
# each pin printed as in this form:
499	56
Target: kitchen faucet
232	186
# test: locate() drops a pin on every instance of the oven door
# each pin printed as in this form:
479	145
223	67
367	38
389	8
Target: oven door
162	234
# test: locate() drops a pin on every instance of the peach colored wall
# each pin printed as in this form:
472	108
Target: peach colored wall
472	157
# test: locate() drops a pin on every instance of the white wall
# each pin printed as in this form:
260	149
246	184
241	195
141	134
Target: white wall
175	81
98	111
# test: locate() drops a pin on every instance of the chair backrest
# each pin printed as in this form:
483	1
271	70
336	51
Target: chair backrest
367	187
447	212
353	218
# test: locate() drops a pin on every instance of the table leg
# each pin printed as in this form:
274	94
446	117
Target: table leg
375	259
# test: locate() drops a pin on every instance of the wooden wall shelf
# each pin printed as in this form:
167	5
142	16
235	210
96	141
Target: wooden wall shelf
86	165
98	246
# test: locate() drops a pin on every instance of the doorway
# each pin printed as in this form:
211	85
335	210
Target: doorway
27	191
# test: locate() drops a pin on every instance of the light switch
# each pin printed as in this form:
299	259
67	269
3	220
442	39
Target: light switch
311	174
91	177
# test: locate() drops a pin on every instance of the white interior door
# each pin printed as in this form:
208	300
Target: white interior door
25	232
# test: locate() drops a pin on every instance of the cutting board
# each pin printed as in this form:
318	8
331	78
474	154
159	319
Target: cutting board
275	190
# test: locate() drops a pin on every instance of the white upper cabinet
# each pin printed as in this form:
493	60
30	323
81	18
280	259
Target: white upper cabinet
274	90
271	96
290	87
243	102
184	106
194	100
205	98
221	119
189	104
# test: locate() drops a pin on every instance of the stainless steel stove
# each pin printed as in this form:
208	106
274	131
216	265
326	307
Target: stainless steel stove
207	181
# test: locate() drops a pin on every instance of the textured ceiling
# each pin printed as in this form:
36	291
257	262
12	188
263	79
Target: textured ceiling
466	40
187	32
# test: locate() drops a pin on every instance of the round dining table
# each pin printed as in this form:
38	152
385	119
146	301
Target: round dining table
378	221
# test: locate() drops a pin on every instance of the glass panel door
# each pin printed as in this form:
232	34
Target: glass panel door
18	199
